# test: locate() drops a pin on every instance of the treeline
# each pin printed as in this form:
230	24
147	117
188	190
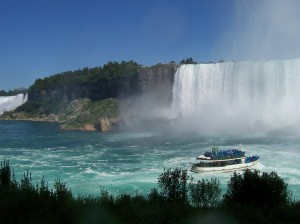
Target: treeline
251	197
112	70
13	92
109	71
50	94
112	80
86	76
191	61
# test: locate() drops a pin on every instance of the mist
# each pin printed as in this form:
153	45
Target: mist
238	98
261	30
255	92
145	113
230	98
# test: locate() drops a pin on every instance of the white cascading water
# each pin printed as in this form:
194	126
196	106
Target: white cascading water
8	103
238	97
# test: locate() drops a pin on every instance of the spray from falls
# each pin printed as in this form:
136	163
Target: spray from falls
238	97
8	103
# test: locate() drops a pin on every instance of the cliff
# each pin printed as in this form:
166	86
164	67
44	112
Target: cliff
157	80
98	90
83	101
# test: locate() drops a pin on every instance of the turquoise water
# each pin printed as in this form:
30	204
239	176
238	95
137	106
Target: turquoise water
128	162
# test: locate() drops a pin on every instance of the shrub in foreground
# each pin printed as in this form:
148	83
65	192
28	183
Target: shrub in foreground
251	198
255	189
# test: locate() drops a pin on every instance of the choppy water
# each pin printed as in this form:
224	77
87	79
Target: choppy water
128	162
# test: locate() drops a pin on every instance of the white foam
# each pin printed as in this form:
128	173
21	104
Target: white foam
235	97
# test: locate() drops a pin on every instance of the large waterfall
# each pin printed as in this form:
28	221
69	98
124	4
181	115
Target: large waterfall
8	103
237	97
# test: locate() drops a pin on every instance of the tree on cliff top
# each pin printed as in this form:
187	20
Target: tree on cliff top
69	79
188	61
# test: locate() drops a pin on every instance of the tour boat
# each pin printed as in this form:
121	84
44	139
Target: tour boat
224	161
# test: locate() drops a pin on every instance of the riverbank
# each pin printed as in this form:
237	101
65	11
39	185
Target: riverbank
79	114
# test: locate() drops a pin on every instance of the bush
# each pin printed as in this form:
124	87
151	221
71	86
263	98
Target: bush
173	185
251	198
205	193
188	61
5	175
251	188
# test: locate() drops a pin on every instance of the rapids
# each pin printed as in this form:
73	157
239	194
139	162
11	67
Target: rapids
129	162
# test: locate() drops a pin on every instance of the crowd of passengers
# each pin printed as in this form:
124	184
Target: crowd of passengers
225	154
250	159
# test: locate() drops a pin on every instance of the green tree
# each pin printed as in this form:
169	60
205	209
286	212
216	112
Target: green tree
173	185
255	189
205	193
61	191
188	61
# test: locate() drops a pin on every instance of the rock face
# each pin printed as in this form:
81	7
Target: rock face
89	127
158	80
68	104
105	125
100	90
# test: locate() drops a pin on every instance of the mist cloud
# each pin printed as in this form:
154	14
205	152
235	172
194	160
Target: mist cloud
261	30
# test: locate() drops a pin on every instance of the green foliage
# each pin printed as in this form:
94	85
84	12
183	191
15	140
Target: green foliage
188	61
254	189
13	92
71	79
205	193
26	184
5	174
173	185
50	94
154	195
22	202
43	105
105	197
115	70
90	112
61	191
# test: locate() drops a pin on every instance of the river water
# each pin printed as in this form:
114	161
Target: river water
129	162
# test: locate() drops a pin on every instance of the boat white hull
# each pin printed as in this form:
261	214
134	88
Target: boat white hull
228	168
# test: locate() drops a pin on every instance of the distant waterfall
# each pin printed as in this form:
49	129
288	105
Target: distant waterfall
239	95
8	103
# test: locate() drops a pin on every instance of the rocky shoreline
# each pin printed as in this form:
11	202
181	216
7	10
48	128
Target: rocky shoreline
104	125
78	115
94	105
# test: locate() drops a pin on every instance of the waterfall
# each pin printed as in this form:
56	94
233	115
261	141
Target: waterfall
239	95
8	103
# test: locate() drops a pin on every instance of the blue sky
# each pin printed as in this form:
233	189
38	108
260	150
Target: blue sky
39	38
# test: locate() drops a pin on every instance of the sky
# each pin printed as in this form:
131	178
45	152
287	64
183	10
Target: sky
39	38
